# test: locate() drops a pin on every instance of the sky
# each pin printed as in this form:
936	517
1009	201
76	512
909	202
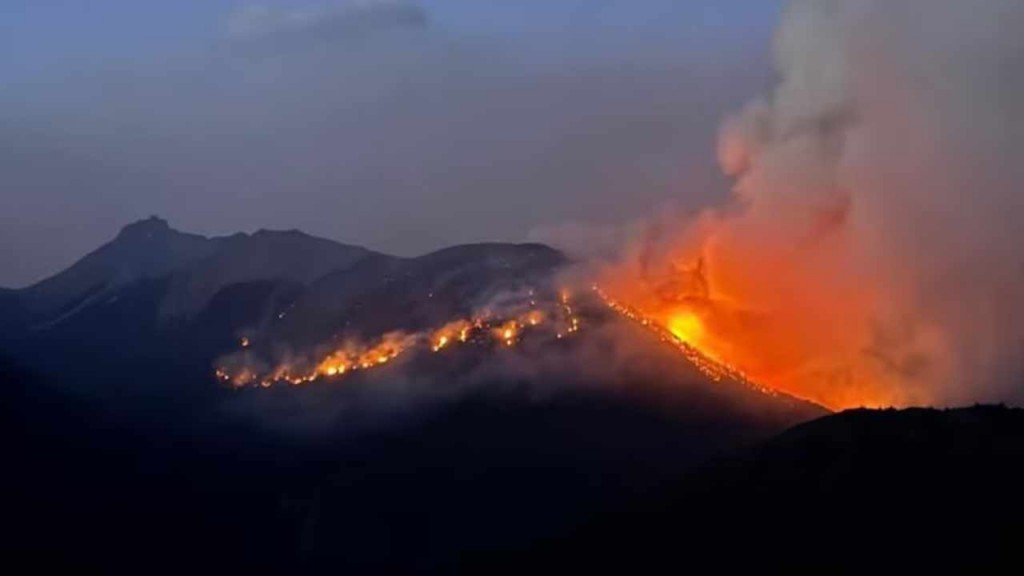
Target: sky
401	125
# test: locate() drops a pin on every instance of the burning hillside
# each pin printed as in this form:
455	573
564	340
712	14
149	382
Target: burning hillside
540	319
534	317
685	333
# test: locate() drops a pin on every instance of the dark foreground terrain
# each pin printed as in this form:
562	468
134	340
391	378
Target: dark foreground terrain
861	491
495	470
498	482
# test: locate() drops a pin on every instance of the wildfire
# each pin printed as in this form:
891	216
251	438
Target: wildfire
687	327
681	334
682	327
777	330
355	356
441	343
451	333
507	332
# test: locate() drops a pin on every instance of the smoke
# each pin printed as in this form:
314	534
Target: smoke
871	254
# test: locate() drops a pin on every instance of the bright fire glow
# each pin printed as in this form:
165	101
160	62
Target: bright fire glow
785	327
705	362
687	326
355	356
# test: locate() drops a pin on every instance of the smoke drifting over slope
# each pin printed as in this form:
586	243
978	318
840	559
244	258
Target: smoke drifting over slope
872	253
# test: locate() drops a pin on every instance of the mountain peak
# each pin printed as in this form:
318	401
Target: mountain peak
147	228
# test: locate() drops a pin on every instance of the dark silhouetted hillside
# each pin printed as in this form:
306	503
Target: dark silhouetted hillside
858	491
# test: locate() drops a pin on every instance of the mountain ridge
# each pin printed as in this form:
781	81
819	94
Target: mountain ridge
175	289
152	249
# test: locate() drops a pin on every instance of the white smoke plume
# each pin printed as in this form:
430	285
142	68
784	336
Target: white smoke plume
876	225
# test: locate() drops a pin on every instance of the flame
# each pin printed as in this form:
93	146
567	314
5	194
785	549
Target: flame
441	343
507	332
688	327
704	361
450	333
353	355
793	328
691	326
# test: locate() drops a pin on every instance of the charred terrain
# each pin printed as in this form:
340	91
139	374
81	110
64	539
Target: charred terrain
278	402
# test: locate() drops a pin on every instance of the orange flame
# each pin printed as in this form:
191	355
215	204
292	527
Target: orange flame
787	320
358	356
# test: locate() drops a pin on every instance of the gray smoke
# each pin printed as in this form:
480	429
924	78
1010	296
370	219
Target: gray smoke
887	159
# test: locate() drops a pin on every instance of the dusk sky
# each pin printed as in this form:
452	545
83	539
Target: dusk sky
402	126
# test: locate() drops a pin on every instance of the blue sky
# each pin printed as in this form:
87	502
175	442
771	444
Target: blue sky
37	37
57	25
345	122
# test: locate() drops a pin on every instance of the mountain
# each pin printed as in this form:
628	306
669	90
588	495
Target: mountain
185	273
853	492
155	294
195	268
160	305
124	435
144	250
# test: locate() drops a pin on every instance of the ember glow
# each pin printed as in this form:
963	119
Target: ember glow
243	369
704	360
684	329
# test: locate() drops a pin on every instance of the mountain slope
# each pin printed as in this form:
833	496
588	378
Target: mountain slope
143	250
283	256
381	294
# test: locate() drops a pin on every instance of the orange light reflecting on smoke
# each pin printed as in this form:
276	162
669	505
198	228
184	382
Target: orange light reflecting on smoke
788	320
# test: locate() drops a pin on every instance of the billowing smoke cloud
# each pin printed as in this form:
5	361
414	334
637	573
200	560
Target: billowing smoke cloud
872	253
